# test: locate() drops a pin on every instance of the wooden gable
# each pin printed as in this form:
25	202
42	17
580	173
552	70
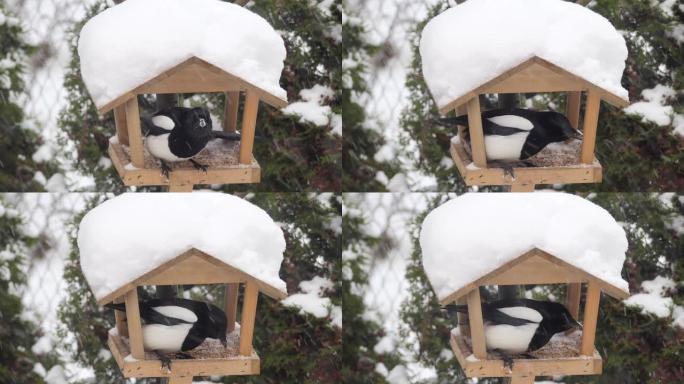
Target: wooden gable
536	267
535	75
194	75
193	267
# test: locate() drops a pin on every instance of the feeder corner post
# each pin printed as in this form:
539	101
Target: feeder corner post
249	118
230	111
591	309
134	325
249	306
134	132
572	107
476	324
590	126
477	145
231	301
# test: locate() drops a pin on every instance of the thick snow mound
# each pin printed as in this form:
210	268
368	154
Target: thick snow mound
472	235
471	43
133	42
130	235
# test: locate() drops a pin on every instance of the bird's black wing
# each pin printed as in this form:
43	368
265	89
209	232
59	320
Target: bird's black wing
534	143
541	338
491	314
193	339
151	128
232	136
488	127
150	315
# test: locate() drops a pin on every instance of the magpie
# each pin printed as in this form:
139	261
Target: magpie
515	134
174	325
178	134
520	326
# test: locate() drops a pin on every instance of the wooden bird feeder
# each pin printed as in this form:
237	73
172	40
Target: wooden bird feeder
532	76
577	357
192	267
229	163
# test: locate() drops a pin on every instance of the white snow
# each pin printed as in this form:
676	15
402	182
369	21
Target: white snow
312	300
654	108
129	235
312	108
472	235
653	300
463	47
133	42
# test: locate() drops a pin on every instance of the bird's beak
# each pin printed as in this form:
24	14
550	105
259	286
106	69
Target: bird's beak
577	134
224	342
577	325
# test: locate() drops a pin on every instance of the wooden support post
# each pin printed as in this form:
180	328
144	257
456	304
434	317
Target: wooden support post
477	146
249	117
591	115
121	125
249	305
463	319
591	308
135	143
231	305
572	108
135	336
572	301
180	380
120	318
476	324
460	111
230	112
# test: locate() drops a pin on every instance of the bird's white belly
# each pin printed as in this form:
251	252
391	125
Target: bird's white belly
164	338
505	147
159	147
509	338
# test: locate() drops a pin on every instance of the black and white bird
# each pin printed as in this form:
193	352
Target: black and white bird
516	134
178	134
176	325
520	326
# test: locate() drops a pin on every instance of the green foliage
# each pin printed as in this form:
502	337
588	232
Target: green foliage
636	156
636	348
293	155
17	335
293	347
360	332
17	142
360	142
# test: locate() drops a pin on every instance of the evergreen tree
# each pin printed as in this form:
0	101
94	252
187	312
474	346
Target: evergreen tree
636	348
17	142
293	155
636	156
360	143
293	347
361	333
17	335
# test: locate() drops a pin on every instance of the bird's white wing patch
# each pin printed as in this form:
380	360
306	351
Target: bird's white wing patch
509	338
165	339
177	313
522	313
505	147
512	121
162	121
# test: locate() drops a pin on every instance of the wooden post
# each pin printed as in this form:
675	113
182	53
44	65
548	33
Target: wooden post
134	133
230	112
120	318
249	117
476	324
572	108
591	114
135	336
120	122
249	305
591	308
572	301
463	319
231	305
477	146
180	380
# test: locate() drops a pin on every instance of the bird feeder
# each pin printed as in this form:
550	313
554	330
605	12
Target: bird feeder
577	356
182	239
192	267
543	56
233	64
490	239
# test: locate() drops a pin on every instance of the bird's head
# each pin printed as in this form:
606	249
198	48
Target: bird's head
558	128
198	121
215	323
561	319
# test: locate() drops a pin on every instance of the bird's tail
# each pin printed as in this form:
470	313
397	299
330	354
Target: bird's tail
231	136
452	121
116	306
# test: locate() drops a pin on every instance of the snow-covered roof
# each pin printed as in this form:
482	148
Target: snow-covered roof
137	40
476	233
134	233
476	41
